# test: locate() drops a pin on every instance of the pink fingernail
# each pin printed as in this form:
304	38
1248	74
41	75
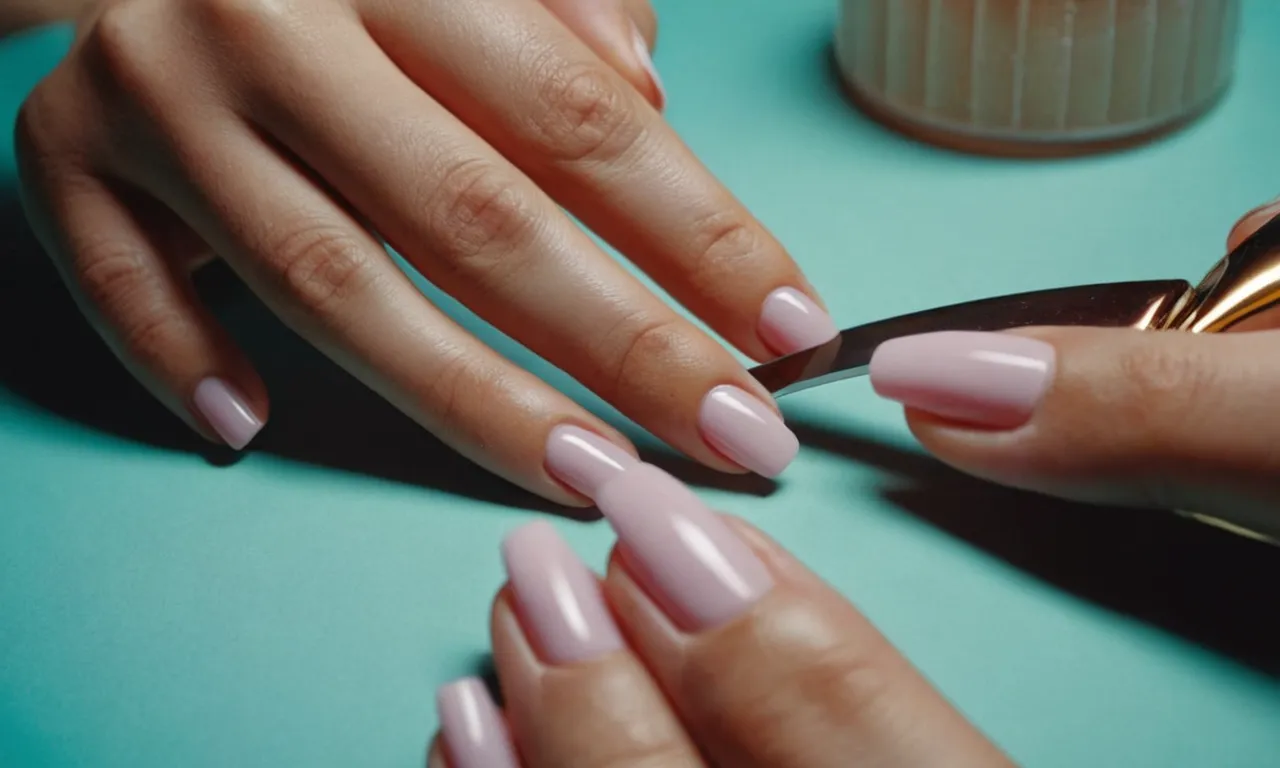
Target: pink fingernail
790	321
646	60
690	556
557	597
227	412
474	731
1267	210
992	380
746	431
584	460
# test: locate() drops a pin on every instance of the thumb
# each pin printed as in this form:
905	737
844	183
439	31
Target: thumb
621	32
1170	420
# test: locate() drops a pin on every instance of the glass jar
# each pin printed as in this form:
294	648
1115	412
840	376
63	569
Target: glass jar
1036	76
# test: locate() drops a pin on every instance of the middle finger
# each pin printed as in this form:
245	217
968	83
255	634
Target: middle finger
576	696
481	230
576	127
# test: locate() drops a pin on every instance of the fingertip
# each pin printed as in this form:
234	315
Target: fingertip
1250	223
226	410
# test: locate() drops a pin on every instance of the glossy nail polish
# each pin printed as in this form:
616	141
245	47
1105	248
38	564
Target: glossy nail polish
646	60
583	460
696	563
557	597
474	731
227	412
992	380
790	321
746	431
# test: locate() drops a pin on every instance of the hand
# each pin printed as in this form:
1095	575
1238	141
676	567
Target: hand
1166	420
292	137
705	644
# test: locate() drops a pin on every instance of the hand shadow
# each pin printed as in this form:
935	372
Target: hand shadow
320	415
1204	584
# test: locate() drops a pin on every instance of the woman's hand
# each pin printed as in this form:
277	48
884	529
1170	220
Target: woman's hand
1166	420
705	644
292	137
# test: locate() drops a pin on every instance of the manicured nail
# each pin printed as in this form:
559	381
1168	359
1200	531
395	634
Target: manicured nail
473	729
690	556
557	596
790	321
646	60
992	380
1266	210
746	431
227	412
584	460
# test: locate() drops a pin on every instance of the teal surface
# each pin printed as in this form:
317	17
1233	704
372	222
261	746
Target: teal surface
160	606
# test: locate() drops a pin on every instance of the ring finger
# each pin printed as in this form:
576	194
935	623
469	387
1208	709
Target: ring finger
577	698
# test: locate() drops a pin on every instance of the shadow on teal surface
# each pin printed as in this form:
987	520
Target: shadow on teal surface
320	414
1185	577
1181	576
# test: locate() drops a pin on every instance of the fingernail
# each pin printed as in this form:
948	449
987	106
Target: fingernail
646	60
1266	209
689	555
227	412
992	380
557	597
584	460
746	431
790	321
473	729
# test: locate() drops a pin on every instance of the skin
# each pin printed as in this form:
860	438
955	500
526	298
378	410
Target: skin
802	680
175	132
1165	420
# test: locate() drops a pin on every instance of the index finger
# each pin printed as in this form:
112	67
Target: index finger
766	665
575	127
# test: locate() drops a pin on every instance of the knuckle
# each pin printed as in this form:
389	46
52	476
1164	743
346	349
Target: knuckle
724	242
111	273
1165	386
117	282
478	218
454	385
119	42
839	686
322	266
584	114
250	21
644	342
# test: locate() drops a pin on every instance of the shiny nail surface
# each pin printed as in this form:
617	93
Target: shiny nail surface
583	460
791	321
992	380
474	731
557	597
689	555
227	412
646	60
746	431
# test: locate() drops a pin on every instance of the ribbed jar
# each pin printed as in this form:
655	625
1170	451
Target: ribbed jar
1029	76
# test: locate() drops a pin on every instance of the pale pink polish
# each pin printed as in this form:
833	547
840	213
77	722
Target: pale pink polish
791	321
558	598
992	380
746	431
227	412
474	731
691	558
583	460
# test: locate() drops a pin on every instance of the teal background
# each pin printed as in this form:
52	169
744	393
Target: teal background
163	605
